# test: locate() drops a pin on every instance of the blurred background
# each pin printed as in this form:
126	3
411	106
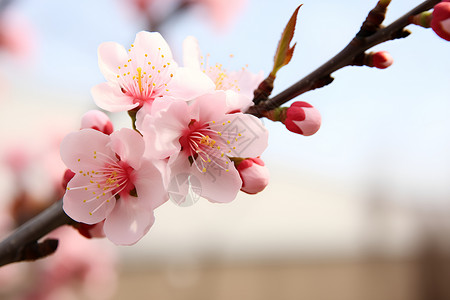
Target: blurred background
360	210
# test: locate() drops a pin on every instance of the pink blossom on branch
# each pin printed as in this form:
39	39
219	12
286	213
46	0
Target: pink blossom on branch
142	74
199	140
112	182
239	85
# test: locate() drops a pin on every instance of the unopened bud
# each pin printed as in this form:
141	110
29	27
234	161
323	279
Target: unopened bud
254	175
302	118
440	23
97	120
382	59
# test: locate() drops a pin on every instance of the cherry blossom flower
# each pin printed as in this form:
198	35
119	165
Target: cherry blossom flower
144	73
254	175
199	140
239	85
112	182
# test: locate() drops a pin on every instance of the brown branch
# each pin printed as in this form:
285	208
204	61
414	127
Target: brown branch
23	245
322	75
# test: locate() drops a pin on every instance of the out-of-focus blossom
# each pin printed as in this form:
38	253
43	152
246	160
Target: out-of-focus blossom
142	74
199	140
97	120
112	182
382	59
239	85
254	175
16	35
220	12
79	269
440	21
302	118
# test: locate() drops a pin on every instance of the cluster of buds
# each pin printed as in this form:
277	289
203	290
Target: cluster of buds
438	20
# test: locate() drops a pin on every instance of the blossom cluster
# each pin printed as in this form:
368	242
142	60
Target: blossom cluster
189	136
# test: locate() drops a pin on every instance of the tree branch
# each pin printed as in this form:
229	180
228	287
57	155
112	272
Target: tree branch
23	244
322	75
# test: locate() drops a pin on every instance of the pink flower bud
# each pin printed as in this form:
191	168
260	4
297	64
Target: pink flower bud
254	175
97	120
440	22
382	59
302	118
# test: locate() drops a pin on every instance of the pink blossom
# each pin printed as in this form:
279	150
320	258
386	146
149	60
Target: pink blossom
254	175
222	12
440	22
239	85
16	35
79	269
112	182
97	120
200	139
144	73
302	118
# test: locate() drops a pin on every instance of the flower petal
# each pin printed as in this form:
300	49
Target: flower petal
151	43
109	96
150	185
209	107
163	130
129	221
78	149
129	145
97	206
111	56
191	53
188	84
245	135
217	185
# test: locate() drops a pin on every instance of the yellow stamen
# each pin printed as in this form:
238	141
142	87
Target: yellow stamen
139	70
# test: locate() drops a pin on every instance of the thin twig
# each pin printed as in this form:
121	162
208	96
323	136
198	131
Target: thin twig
322	75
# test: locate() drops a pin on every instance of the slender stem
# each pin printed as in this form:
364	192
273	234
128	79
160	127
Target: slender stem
22	241
322	75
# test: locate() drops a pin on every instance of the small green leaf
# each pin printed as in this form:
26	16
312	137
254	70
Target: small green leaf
284	51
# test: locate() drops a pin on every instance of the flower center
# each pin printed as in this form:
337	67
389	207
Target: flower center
208	147
221	76
145	77
113	179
